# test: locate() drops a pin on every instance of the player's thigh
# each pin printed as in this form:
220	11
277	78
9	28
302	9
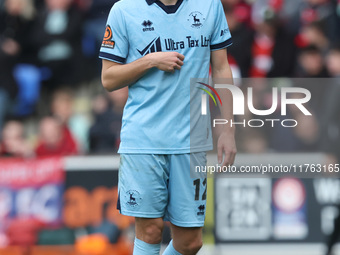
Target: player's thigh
187	191
142	185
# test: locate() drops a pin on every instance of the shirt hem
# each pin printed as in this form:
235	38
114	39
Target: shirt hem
111	57
164	151
185	224
221	45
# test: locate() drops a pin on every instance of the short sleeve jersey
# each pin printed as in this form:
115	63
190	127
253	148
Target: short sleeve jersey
157	118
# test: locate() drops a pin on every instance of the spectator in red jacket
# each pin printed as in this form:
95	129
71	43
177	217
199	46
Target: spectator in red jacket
55	139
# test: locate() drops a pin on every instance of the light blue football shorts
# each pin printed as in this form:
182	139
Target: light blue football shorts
160	186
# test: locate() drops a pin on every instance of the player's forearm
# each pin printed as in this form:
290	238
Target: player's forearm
224	74
118	76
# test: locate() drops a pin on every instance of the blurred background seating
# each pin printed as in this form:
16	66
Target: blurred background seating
52	102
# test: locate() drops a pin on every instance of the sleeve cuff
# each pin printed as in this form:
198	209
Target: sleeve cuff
111	57
221	45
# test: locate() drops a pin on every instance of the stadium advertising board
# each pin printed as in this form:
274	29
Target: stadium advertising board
283	210
31	193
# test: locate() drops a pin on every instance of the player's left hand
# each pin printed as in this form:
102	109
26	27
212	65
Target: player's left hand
226	146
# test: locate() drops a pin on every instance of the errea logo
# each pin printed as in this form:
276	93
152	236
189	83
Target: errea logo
147	24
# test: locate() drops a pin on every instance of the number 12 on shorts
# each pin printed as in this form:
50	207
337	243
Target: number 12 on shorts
197	184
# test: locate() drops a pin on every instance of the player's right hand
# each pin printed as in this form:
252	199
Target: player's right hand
167	61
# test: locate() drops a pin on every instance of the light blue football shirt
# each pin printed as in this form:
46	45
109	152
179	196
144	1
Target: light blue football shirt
157	118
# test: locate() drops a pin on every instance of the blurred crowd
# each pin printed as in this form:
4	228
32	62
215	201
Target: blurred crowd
52	102
295	39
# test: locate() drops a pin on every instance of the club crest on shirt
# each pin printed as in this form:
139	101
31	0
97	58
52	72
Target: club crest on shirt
133	198
107	41
196	19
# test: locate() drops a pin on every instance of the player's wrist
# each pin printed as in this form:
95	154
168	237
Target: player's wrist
228	130
151	60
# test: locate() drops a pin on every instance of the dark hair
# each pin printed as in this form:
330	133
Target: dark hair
310	49
320	26
335	47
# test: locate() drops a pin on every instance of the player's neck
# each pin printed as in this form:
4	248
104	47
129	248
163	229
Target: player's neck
169	2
